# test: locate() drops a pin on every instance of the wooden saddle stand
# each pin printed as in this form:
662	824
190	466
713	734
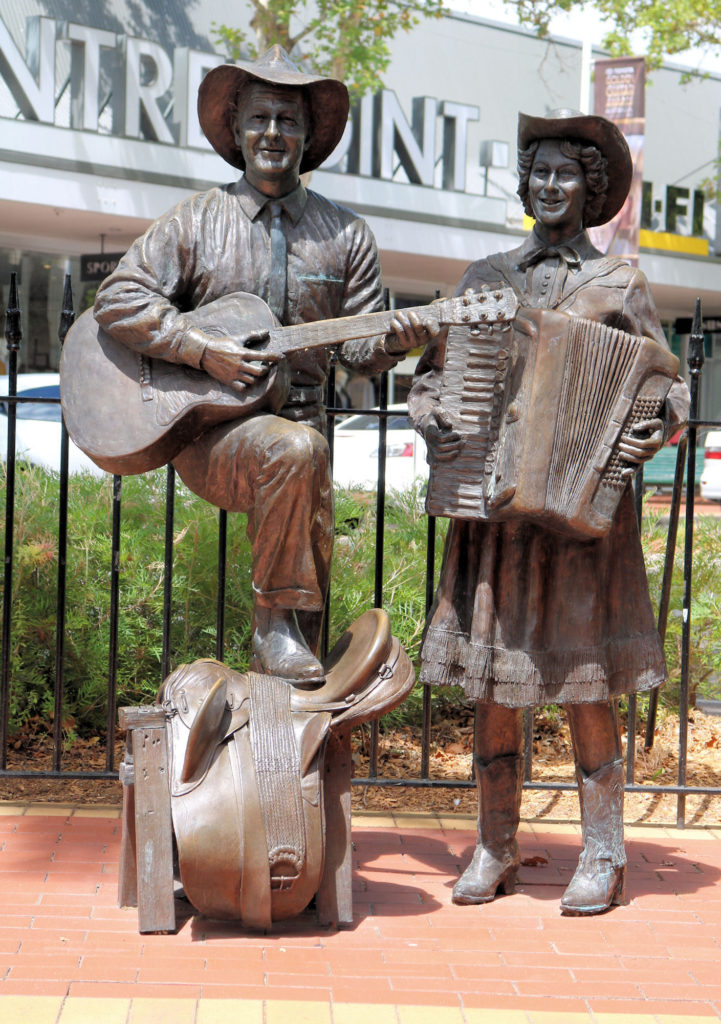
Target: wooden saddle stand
238	785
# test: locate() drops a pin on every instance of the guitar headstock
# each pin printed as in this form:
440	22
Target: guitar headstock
478	308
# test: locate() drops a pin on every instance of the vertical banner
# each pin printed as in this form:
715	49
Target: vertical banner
618	94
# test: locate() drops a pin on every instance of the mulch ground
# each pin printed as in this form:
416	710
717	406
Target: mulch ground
399	756
450	758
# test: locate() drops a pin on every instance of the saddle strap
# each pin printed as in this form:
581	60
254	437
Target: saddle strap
277	769
255	900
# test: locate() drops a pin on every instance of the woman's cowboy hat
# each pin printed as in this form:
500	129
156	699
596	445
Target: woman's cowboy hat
604	134
219	91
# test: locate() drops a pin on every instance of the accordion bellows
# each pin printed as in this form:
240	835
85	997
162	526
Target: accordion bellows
541	404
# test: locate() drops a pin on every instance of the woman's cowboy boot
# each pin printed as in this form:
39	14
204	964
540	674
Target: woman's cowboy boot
496	858
599	880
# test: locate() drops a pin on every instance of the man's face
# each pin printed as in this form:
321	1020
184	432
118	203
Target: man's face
271	130
557	189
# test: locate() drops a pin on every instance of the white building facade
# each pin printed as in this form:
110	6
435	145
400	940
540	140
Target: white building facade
99	135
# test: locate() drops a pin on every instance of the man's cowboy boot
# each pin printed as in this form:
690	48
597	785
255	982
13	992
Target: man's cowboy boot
496	858
599	880
280	649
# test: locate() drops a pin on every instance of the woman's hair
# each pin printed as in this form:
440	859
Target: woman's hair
594	166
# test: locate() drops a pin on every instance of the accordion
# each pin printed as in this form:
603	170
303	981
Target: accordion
541	404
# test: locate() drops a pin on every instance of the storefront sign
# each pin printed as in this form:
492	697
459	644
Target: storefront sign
139	94
97	266
146	84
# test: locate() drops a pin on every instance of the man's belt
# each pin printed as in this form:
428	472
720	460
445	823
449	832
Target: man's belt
305	396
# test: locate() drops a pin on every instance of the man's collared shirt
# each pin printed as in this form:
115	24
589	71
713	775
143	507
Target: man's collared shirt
218	242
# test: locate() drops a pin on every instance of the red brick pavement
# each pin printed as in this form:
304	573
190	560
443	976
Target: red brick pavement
61	933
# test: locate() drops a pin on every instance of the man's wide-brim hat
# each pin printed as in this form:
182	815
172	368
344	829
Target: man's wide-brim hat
599	132
218	94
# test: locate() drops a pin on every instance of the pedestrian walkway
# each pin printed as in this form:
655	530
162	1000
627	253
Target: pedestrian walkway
69	955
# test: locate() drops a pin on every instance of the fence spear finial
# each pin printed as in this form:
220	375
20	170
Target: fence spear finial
13	331
67	313
696	355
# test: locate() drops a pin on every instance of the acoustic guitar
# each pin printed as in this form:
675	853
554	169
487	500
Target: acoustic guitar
131	413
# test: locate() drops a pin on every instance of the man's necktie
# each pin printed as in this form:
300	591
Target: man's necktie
561	252
278	259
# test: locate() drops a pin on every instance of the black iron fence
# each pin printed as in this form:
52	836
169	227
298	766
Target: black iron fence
12	402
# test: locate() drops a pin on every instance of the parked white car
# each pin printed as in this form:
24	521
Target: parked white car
38	426
355	452
711	472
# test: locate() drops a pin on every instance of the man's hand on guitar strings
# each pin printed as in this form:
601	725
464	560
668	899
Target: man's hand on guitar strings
635	449
443	442
409	331
235	364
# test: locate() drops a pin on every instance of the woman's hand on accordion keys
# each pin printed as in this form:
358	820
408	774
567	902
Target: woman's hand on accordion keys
443	442
641	443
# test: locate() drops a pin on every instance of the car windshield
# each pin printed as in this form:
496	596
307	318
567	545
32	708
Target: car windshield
49	411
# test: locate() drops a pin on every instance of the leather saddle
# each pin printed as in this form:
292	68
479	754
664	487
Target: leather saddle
246	770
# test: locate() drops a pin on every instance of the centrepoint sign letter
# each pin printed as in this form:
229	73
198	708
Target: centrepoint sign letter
153	97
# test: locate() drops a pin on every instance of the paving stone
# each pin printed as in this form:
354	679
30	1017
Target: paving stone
411	957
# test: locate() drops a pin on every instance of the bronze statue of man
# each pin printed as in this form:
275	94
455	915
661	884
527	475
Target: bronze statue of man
309	259
525	615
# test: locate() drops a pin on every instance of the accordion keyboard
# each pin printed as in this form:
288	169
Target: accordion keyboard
474	376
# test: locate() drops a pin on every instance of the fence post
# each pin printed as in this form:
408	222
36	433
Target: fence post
632	699
695	364
13	337
222	580
168	572
67	316
114	621
430	593
665	600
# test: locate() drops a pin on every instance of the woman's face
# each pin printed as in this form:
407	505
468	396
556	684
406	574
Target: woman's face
557	190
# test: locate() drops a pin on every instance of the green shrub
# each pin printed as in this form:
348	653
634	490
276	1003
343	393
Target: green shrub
705	648
193	616
193	620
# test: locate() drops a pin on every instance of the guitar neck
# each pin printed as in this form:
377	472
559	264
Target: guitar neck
483	308
326	333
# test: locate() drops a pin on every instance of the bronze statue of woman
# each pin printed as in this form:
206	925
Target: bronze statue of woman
525	615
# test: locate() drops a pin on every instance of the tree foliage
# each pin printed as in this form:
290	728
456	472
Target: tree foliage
343	39
349	39
669	26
